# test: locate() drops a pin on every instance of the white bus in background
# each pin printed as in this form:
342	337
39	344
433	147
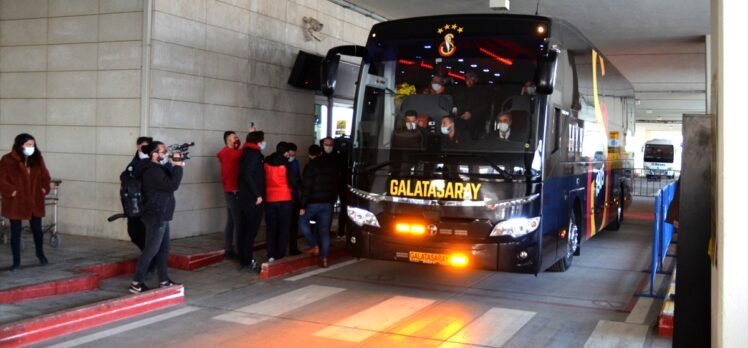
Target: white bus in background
658	158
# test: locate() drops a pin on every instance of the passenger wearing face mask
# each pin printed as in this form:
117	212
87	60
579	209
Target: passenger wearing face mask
339	158
436	86
251	197
450	133
502	129
229	160
159	185
293	246
24	182
135	227
409	136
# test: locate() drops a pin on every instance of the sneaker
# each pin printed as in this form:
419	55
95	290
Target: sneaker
255	266
139	288
168	283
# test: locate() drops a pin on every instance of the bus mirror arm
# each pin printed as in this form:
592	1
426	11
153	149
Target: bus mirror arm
546	72
329	68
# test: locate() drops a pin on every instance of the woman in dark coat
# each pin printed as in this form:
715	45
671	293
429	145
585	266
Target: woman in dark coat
24	181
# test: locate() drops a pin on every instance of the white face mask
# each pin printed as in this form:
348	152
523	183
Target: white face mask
29	151
530	91
445	130
436	87
410	125
263	145
291	159
503	127
141	155
328	149
163	160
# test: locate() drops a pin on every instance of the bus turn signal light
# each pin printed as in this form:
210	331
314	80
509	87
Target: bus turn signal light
414	229
458	260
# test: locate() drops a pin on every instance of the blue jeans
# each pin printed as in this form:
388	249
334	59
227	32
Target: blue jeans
322	214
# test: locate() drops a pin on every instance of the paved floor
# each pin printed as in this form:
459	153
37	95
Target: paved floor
384	304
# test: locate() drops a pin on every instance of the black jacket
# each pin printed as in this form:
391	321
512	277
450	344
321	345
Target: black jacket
321	181
251	176
133	164
158	189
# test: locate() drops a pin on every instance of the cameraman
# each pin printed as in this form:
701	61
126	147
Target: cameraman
159	185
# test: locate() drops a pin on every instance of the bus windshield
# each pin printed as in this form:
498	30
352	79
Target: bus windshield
658	153
476	104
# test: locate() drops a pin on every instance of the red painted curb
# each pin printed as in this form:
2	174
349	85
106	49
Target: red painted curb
85	282
86	317
295	263
192	262
665	326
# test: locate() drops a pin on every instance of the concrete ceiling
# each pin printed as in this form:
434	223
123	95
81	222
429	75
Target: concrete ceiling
658	45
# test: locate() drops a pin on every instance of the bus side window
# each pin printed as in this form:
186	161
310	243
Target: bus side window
557	134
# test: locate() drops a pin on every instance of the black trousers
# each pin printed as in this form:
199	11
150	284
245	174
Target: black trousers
251	218
278	220
156	250
232	223
15	238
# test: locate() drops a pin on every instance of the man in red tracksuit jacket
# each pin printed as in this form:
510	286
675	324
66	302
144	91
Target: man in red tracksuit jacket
229	158
280	181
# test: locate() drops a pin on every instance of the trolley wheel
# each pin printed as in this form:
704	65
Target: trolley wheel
572	244
55	240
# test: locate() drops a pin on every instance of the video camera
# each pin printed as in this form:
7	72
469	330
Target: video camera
183	149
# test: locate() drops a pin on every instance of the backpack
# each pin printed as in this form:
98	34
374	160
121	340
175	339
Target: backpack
131	195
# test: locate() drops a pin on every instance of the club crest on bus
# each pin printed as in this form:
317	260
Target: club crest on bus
447	48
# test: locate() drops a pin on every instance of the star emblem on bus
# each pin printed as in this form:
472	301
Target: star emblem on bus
447	48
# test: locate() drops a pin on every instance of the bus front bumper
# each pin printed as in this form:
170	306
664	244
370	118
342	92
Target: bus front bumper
489	256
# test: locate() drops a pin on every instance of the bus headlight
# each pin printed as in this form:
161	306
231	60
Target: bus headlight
362	217
516	227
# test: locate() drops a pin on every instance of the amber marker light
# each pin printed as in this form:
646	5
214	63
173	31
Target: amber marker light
414	229
402	228
458	260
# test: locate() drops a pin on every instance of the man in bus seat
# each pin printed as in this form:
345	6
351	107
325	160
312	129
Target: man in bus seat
408	135
502	129
473	106
451	135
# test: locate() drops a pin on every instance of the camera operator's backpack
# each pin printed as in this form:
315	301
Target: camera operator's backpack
131	195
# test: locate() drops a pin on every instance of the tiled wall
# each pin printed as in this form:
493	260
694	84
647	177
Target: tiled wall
70	75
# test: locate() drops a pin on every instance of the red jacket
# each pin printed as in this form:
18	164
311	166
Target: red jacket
30	183
279	179
229	159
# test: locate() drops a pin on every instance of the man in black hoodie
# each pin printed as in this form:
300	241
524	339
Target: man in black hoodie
319	191
251	197
158	192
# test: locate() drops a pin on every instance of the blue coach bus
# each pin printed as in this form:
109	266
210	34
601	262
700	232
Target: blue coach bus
484	141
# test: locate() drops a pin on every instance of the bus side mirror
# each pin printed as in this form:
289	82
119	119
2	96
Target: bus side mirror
329	74
329	68
546	72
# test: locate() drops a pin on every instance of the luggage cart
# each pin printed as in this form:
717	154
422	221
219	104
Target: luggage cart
52	198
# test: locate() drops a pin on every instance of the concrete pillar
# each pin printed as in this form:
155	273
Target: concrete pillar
729	29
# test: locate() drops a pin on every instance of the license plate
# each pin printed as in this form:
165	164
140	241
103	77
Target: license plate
430	258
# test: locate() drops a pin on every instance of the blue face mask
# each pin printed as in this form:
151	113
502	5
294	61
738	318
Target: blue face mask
263	145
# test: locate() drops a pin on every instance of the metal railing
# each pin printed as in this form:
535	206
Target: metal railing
647	185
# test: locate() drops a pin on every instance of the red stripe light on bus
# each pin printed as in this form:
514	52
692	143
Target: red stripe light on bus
457	76
496	56
406	62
